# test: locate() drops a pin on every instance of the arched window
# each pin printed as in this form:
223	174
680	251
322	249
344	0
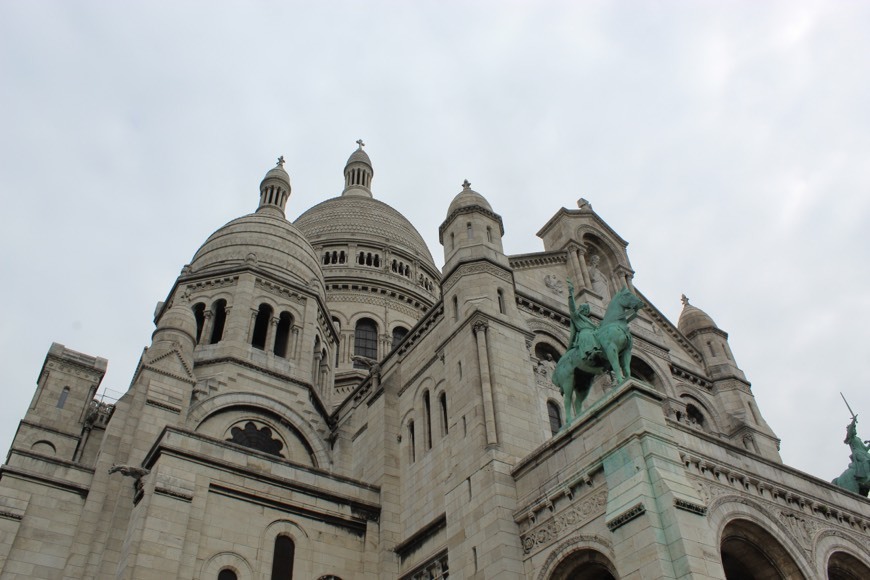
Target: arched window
219	310
282	564
555	416
61	401
469	230
412	443
341	258
452	240
488	234
399	333
282	334
227	574
500	294
427	410
365	341
694	415
199	315
442	400
261	326
455	308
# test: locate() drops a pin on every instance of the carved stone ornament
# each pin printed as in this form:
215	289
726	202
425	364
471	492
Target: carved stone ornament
554	283
570	519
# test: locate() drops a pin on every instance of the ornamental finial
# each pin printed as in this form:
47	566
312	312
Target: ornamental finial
466	184
281	161
360	143
684	300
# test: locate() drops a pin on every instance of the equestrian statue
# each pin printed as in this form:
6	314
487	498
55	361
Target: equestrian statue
856	478
595	349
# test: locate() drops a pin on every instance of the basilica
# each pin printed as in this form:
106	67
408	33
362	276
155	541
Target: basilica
320	401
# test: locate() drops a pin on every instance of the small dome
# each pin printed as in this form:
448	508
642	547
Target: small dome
693	319
359	156
468	198
178	318
278	172
263	240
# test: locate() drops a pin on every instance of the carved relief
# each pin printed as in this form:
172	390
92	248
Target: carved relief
570	519
554	283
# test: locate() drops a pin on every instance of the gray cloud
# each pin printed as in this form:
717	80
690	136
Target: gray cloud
726	143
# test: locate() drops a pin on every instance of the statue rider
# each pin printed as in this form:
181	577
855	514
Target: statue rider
582	327
860	451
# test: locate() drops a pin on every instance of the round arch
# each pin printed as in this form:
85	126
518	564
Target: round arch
757	526
580	555
841	557
750	551
226	401
226	561
302	565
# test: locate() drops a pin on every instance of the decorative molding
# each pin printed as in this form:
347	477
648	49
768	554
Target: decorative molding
633	512
537	260
716	481
527	304
581	512
212	284
478	267
393	300
279	290
11	515
688	506
679	372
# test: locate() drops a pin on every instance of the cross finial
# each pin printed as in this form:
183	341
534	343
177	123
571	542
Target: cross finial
281	161
684	300
466	184
360	143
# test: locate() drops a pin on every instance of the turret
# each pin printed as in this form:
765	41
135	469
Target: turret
471	230
358	173
472	239
275	190
710	340
747	427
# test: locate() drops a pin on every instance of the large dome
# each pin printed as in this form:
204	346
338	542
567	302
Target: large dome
268	241
362	219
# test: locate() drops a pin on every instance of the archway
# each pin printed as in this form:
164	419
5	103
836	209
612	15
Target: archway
584	565
751	553
843	566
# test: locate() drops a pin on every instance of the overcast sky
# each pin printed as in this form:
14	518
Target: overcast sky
729	143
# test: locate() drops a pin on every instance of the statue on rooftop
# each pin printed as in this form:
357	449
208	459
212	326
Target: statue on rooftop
594	350
856	478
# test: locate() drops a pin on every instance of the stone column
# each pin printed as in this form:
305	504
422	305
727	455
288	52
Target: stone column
270	335
251	325
207	326
581	259
485	383
294	345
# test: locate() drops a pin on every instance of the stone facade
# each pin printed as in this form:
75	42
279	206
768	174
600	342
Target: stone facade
320	398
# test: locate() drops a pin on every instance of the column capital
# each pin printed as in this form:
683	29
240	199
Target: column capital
480	326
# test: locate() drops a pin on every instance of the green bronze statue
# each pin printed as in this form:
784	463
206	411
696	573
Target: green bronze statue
856	478
594	350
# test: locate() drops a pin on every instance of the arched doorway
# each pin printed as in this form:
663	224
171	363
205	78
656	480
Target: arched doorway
843	566
584	565
749	552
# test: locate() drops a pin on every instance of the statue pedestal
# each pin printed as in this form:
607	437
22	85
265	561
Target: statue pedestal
621	449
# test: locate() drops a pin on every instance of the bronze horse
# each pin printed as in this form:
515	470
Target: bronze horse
578	367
